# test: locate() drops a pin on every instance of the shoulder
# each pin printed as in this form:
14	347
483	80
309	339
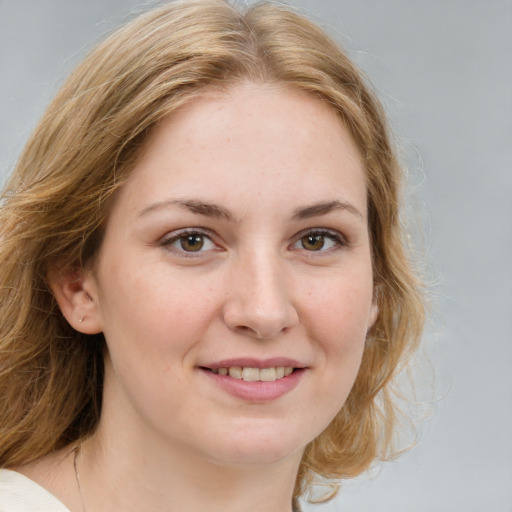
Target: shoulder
21	494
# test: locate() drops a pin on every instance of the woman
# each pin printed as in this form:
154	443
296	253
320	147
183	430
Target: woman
205	290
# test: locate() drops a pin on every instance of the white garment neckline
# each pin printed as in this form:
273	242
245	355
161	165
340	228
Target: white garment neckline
19	493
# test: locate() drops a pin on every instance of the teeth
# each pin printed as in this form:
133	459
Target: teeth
249	374
267	374
235	372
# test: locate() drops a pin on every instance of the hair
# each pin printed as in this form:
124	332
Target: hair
56	203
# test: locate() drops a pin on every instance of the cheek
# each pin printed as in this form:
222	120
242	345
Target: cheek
152	325
153	311
339	310
337	322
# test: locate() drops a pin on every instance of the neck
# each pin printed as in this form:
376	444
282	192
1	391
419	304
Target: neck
132	476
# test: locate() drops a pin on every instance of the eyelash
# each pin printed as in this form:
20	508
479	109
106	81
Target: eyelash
337	238
168	241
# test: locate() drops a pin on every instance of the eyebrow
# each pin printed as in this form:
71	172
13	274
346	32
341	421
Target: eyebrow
214	210
194	205
324	208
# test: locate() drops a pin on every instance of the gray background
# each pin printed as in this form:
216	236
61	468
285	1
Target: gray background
443	70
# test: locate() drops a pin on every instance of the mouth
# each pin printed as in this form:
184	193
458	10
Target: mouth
256	380
252	374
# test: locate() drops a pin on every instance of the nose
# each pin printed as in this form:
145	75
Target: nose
260	302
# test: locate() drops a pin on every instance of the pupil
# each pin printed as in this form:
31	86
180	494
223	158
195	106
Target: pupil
313	242
192	243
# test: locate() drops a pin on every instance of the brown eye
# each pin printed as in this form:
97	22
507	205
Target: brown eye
188	243
313	242
191	243
319	240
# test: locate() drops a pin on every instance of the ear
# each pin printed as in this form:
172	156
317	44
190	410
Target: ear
374	314
374	310
75	292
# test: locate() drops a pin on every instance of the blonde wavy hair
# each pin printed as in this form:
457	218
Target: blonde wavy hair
57	200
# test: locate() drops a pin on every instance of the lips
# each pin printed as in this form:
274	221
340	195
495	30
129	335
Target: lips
255	379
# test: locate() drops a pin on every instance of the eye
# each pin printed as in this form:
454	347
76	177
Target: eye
319	241
191	243
188	242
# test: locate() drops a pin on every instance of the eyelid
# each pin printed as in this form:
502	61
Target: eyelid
333	235
169	238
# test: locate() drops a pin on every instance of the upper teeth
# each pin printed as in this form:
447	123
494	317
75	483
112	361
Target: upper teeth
256	374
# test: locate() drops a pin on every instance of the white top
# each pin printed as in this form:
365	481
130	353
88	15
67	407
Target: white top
20	494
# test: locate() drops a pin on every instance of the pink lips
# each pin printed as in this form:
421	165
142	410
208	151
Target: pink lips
258	391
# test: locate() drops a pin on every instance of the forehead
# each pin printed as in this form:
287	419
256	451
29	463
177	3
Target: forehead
251	140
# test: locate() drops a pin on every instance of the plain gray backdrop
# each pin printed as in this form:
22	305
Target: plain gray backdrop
443	69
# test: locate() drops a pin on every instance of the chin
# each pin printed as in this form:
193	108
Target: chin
258	447
252	458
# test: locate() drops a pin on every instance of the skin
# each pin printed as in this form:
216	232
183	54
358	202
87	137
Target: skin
169	436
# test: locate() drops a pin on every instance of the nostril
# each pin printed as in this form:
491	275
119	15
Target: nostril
245	329
259	333
263	320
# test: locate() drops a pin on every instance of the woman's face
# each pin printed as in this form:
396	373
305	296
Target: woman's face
237	250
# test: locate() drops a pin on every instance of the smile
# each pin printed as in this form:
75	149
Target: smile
249	374
256	380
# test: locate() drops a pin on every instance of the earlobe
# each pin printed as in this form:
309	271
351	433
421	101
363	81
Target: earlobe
74	290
